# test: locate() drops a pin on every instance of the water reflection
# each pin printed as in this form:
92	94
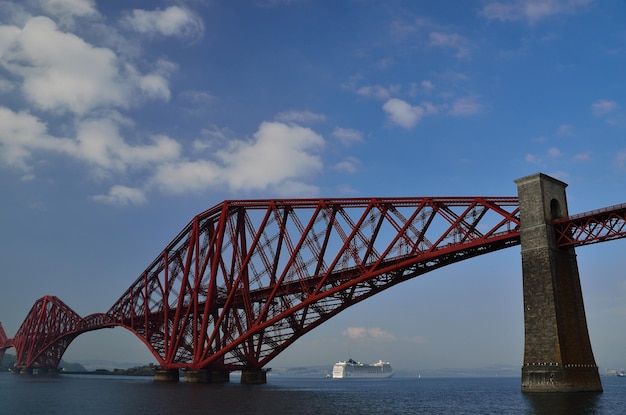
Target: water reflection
563	403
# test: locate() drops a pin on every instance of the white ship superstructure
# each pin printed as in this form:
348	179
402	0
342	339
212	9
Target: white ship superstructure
351	369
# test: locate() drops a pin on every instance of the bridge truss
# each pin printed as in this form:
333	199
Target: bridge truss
5	342
591	227
245	279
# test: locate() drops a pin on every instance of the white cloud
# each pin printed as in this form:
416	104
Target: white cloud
554	152
603	106
155	86
198	97
66	10
355	332
565	130
79	89
278	158
364	333
122	195
279	152
402	113
374	91
277	3
583	156
531	10
6	86
300	117
503	11
97	142
347	136
346	189
187	176
621	159
20	135
295	188
452	41
173	21
348	165
61	72
428	85
100	143
465	106
429	108
531	158
419	339
8	34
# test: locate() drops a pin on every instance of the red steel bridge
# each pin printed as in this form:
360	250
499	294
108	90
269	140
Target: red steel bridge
246	278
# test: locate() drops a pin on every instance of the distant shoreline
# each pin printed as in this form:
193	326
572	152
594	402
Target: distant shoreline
133	371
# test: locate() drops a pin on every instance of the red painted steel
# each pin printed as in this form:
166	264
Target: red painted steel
5	342
3	337
45	334
245	279
591	227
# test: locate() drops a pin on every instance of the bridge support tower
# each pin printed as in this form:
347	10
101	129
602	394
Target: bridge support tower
166	375
254	376
557	349
207	376
35	371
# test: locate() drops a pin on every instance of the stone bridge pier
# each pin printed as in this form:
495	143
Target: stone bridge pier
557	350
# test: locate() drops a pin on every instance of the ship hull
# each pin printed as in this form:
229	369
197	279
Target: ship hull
356	370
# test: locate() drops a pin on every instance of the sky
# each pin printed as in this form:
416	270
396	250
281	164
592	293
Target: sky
120	121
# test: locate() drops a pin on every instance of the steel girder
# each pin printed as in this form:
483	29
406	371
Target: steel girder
5	342
3	336
245	279
591	227
47	331
45	334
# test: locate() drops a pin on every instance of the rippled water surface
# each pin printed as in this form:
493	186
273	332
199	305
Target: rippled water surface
108	395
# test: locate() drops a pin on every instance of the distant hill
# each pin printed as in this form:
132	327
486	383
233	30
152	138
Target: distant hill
323	371
9	361
304	371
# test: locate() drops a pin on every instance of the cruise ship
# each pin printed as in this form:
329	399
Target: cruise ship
351	369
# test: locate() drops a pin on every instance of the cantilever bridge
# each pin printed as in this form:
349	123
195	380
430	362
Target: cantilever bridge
246	278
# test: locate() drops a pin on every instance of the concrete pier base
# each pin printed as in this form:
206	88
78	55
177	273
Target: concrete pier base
35	371
166	375
547	378
557	349
207	376
253	376
220	376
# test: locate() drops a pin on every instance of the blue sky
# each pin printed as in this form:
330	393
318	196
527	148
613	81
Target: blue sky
119	121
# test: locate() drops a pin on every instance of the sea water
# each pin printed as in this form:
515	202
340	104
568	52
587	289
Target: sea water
119	395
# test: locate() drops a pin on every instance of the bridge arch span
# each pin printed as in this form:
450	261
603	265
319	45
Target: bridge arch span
245	279
49	329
